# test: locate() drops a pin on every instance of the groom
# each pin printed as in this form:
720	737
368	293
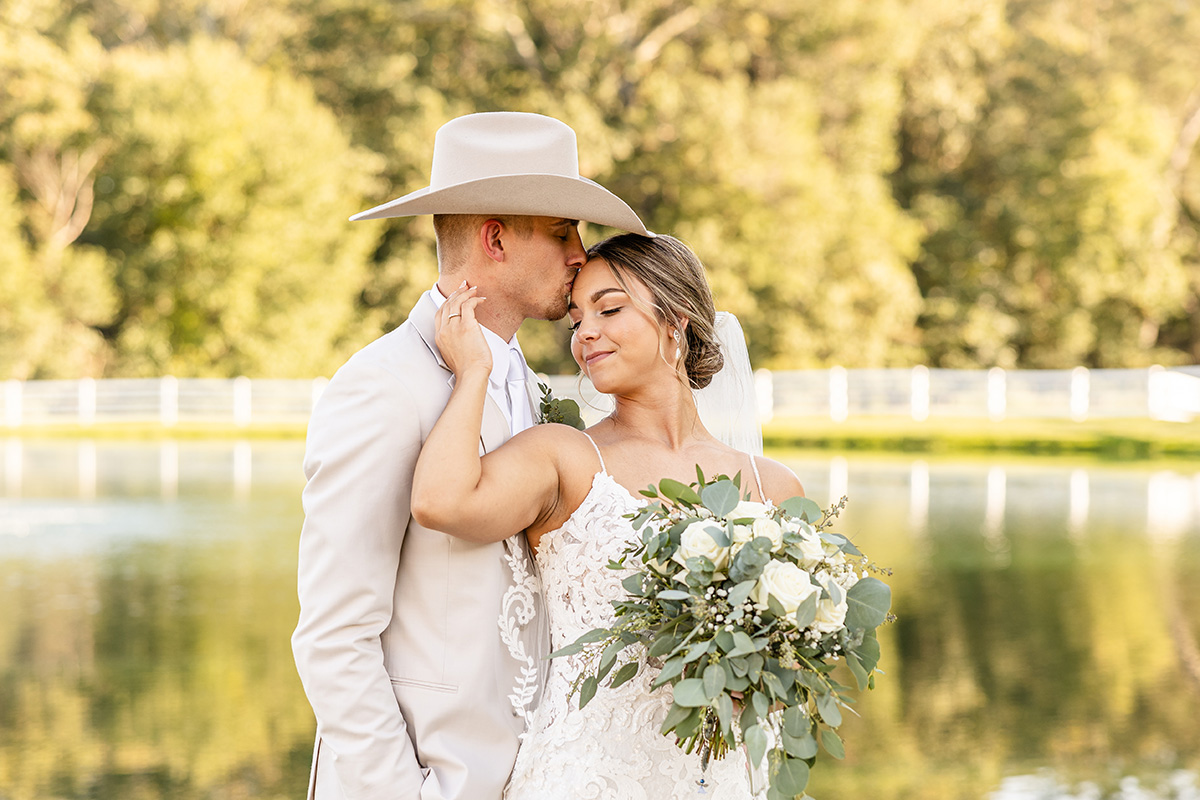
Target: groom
420	653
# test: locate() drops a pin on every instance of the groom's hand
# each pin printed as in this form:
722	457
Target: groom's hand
459	335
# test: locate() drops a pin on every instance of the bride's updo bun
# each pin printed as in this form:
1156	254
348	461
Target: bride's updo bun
675	277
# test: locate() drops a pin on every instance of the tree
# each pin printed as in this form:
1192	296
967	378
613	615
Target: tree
225	196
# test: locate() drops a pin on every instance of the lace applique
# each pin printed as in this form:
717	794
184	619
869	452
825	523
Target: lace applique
517	609
610	750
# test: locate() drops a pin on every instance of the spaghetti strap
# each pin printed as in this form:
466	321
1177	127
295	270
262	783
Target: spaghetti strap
603	468
757	480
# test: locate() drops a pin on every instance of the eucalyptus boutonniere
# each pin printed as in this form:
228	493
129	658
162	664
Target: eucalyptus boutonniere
553	409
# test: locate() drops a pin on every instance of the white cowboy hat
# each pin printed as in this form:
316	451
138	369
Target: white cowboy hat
508	162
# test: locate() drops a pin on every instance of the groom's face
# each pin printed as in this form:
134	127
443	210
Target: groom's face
543	265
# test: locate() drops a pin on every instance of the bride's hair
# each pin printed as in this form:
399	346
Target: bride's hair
675	277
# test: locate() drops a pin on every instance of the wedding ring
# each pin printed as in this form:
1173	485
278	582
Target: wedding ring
452	316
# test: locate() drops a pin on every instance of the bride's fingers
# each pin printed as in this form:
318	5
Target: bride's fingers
467	309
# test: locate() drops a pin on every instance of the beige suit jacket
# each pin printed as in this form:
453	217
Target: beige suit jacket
421	654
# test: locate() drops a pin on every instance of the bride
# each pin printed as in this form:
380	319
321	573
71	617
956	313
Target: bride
643	324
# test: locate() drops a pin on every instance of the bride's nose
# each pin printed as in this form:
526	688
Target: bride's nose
586	331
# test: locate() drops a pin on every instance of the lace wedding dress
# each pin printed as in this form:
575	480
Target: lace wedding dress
612	748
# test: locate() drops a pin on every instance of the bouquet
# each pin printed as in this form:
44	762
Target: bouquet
748	608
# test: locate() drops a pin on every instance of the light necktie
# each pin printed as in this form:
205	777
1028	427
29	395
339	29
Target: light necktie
518	400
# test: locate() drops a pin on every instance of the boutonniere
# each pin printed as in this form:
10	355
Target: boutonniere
553	409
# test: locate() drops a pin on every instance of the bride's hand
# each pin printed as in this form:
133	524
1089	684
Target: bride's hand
459	335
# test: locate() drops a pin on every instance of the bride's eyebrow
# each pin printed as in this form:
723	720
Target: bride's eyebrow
601	292
596	296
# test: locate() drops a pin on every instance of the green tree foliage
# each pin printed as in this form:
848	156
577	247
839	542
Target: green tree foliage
225	194
969	183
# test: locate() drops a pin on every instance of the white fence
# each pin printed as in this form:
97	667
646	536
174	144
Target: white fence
839	394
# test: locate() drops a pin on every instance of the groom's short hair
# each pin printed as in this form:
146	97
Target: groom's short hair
454	232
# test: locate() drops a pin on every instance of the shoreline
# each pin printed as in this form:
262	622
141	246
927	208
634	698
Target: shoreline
1105	439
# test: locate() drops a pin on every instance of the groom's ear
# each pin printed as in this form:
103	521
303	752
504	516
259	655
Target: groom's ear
491	239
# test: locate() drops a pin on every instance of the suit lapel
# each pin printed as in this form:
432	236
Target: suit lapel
421	318
495	430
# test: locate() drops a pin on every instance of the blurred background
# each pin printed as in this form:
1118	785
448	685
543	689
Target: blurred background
975	183
962	236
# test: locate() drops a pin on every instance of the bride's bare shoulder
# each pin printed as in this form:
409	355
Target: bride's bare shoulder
565	445
778	481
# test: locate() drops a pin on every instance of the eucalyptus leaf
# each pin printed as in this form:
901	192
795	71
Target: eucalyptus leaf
673	594
795	721
662	646
587	690
844	544
802	746
670	489
671	670
624	674
832	743
689	726
856	669
696	650
741	592
569	650
676	715
868	651
749	717
754	665
802	508
807	612
608	658
867	603
791	777
594	635
743	644
720	498
690	693
761	704
718	534
725	642
725	715
756	743
714	681
827	707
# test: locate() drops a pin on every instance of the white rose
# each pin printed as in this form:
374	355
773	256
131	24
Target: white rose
830	616
786	582
741	535
812	550
697	541
770	529
748	508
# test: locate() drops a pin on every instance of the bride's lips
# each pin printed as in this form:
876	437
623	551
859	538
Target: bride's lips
596	357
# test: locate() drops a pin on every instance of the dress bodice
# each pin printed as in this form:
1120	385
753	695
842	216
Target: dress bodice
612	748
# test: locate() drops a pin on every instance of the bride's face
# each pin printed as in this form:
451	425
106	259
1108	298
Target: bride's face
616	340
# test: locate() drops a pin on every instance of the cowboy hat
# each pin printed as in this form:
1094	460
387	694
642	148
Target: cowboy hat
508	162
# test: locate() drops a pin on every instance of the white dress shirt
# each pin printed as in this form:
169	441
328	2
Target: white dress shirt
506	383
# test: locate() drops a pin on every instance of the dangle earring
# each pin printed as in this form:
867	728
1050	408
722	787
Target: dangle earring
677	338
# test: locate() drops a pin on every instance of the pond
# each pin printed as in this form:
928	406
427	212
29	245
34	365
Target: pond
1046	644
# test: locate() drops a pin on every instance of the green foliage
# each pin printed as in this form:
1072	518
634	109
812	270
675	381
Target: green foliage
731	635
868	184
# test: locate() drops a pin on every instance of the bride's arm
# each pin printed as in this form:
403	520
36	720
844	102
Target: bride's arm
454	490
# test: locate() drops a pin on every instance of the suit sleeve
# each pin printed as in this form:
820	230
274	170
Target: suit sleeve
363	442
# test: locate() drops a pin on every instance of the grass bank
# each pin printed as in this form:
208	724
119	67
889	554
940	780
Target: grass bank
1122	439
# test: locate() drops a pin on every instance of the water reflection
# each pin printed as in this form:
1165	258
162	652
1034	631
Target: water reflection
1046	645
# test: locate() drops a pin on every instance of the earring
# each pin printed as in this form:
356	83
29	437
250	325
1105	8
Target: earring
676	335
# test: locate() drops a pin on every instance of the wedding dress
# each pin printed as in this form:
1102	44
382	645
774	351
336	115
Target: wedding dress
611	749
